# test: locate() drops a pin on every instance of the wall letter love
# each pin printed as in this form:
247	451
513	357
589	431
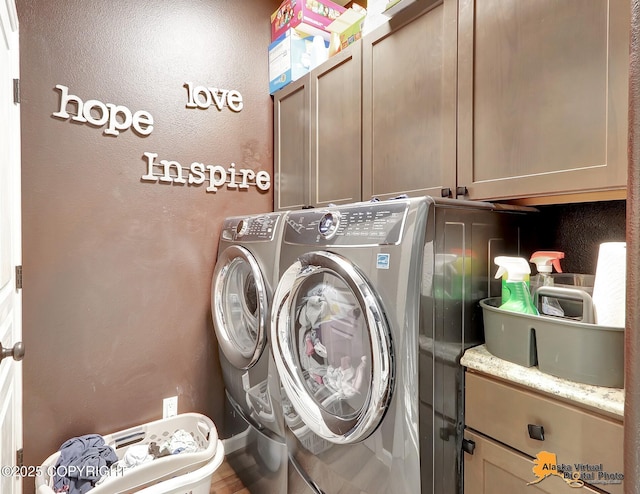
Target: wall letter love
204	97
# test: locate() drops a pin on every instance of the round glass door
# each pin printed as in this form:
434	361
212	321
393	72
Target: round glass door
332	347
239	305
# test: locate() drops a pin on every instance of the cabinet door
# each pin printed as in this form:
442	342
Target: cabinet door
575	435
336	124
409	103
542	103
496	469
291	163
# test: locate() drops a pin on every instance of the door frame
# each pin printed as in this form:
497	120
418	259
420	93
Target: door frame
11	427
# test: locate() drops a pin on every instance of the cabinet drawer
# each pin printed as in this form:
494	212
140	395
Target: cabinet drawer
496	469
574	435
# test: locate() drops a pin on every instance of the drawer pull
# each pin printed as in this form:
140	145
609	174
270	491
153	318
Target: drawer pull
536	432
468	446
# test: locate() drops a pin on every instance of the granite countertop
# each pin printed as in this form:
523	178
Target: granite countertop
609	401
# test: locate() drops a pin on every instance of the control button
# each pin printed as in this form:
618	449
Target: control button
242	228
328	225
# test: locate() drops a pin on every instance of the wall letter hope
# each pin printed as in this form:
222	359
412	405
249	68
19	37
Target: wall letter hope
98	114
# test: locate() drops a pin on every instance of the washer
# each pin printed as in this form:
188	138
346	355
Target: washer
343	314
375	304
241	291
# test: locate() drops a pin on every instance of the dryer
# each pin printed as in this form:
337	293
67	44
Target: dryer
343	334
245	274
370	316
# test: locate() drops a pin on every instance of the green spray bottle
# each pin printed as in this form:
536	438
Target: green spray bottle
516	284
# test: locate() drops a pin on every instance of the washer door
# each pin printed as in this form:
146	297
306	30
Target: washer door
239	303
332	346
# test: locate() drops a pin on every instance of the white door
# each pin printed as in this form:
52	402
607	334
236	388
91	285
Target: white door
10	253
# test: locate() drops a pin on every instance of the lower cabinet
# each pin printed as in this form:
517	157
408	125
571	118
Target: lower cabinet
516	436
496	469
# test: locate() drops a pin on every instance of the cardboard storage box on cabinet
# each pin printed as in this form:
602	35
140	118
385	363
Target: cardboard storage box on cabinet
307	16
289	59
375	16
348	27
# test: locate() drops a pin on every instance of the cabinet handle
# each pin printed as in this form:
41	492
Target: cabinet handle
468	446
461	191
445	192
536	432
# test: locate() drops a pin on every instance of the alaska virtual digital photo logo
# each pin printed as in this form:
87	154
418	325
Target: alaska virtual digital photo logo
546	465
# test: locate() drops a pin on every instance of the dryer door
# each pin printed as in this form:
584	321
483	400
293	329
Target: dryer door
239	303
332	346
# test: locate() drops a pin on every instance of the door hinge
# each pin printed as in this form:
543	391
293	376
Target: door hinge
16	91
18	277
20	457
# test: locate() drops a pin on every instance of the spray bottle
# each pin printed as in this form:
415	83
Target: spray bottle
502	272
545	261
517	272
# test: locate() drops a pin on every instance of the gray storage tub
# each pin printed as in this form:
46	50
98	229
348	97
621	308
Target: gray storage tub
575	350
509	335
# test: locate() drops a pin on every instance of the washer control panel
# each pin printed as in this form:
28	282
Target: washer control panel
250	228
353	225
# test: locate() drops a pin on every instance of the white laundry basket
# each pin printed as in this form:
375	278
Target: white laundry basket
182	473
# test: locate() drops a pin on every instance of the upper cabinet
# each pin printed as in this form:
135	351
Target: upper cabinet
317	135
292	145
542	97
482	100
409	103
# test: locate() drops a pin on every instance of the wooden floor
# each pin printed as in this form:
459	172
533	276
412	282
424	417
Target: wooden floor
225	481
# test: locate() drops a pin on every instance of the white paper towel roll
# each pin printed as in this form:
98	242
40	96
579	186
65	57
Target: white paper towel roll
609	287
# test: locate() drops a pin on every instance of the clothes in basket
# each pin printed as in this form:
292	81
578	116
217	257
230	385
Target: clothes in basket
83	461
182	473
179	442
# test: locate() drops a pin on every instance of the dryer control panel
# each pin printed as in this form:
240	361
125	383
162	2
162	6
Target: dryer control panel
354	225
251	228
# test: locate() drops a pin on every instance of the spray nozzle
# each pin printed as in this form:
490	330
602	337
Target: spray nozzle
517	268
546	259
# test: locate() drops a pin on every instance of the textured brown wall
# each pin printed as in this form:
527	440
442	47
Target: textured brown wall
577	230
117	271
